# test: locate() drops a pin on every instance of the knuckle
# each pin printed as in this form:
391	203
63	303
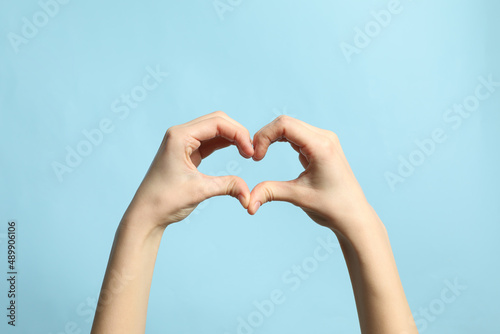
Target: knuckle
173	131
246	133
174	135
267	190
232	186
219	113
329	143
323	144
334	138
283	119
331	138
219	118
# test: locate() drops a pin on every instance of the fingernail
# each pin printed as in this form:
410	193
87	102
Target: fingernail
256	206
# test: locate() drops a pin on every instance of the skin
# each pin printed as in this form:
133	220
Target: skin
327	191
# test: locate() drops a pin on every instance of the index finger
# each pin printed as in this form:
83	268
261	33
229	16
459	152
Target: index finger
217	126
285	128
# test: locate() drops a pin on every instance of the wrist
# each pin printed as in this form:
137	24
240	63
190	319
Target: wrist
361	228
139	224
151	210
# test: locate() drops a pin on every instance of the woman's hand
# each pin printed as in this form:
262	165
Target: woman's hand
330	194
327	190
173	186
171	189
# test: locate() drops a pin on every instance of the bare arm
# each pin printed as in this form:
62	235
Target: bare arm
329	193
379	294
170	191
123	300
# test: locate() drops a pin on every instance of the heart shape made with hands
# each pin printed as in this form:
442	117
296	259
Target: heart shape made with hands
325	189
226	132
279	165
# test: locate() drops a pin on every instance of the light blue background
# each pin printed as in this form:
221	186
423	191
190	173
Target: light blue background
260	60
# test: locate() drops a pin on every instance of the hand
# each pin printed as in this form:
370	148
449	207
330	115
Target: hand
327	190
173	186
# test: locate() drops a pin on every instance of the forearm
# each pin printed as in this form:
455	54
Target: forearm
380	298
123	300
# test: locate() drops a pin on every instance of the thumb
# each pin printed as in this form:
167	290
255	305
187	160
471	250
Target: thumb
273	191
227	185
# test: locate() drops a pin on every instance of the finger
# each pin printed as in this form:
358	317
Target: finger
287	191
226	185
295	147
210	115
302	158
209	146
284	128
218	114
218	126
221	114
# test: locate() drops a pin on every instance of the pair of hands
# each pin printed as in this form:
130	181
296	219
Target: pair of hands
326	190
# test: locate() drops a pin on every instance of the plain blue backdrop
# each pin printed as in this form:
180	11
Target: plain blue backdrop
388	77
